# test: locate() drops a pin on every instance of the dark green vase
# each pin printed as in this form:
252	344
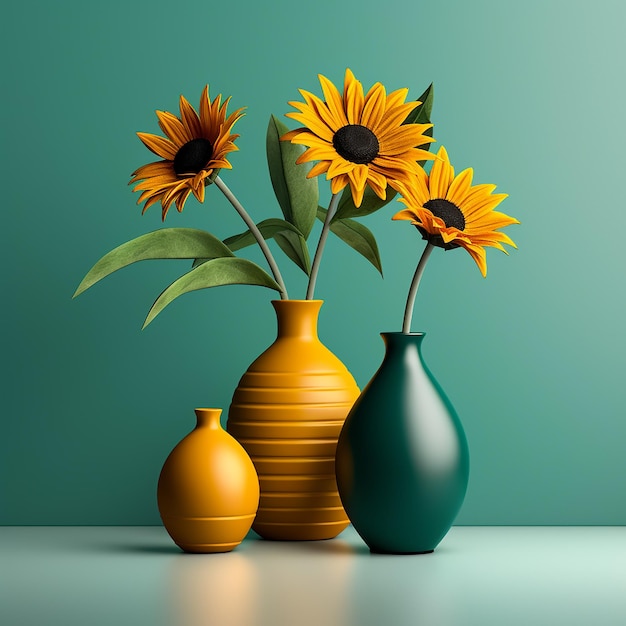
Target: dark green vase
402	460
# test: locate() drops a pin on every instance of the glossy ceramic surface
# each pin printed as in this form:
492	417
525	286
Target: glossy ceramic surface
287	412
208	490
402	457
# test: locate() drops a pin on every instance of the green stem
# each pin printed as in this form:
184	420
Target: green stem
257	235
332	209
415	283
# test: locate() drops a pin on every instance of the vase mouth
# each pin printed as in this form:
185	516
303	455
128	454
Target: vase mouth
296	300
208	417
396	333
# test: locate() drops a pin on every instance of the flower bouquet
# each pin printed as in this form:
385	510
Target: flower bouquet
367	145
291	404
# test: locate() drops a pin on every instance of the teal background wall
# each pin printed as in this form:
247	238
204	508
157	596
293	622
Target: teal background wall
530	94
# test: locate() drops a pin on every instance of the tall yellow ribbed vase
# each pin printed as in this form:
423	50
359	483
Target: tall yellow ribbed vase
287	412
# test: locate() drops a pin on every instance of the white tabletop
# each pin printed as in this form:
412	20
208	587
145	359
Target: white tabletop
478	576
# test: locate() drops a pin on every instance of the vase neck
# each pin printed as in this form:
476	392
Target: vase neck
297	318
403	343
208	418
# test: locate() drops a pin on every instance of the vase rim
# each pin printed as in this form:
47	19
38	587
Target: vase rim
298	300
399	332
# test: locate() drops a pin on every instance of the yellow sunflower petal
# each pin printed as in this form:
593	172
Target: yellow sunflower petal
149	202
459	187
181	198
375	178
417	192
319	108
156	182
317	154
318	126
477	194
420	154
448	235
319	168
480	257
441	175
207	115
339	166
234	117
338	183
218	109
161	147
379	189
173	128
358	180
313	141
395	166
333	100
190	118
353	98
429	222
490	221
374	108
198	192
198	179
292	134
392	118
358	175
406	214
480	203
397	98
170	196
404	137
488	242
149	195
152	169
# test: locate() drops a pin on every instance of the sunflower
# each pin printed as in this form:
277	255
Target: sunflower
359	139
195	148
450	213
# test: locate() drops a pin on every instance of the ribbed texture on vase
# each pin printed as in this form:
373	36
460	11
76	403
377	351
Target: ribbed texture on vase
289	424
190	533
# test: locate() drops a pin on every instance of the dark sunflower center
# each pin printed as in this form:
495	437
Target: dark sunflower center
356	143
447	211
193	156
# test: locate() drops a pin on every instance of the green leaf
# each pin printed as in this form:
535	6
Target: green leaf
357	236
294	246
213	273
421	113
297	195
165	243
268	229
290	240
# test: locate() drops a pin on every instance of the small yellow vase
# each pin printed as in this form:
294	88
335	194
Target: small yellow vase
208	491
287	412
